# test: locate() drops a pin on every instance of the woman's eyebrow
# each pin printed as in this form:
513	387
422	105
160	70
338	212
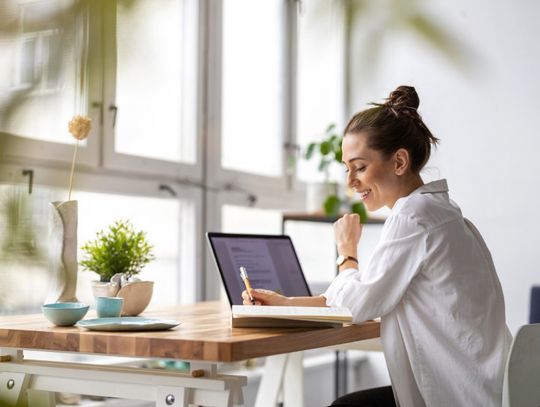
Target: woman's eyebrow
354	159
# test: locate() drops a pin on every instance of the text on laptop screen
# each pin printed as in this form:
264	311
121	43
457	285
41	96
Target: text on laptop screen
271	263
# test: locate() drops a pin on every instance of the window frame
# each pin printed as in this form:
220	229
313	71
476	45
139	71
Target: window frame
206	183
218	175
19	148
189	287
132	163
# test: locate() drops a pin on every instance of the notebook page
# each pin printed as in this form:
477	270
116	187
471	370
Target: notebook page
325	313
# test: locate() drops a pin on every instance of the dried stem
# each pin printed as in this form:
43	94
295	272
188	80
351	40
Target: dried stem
72	170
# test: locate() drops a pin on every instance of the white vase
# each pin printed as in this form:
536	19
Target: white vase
62	251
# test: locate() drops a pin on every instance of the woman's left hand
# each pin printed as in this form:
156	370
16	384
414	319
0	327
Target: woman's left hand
347	232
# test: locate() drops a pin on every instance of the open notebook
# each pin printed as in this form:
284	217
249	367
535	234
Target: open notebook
277	316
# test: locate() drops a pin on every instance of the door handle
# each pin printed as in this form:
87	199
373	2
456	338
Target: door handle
114	109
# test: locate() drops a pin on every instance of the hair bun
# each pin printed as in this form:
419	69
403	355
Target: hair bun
404	97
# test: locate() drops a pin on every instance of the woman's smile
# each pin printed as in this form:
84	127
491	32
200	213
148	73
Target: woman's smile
364	194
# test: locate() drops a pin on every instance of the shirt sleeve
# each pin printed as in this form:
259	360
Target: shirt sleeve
377	290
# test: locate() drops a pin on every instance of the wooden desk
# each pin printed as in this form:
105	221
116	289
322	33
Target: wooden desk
204	338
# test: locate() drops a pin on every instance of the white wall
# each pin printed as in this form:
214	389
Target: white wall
487	120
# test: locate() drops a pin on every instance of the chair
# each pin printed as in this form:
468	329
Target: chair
521	387
534	313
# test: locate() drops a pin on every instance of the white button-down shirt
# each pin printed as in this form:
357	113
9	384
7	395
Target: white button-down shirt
432	281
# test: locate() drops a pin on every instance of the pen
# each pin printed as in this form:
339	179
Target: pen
243	274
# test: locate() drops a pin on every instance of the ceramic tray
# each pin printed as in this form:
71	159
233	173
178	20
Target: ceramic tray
127	324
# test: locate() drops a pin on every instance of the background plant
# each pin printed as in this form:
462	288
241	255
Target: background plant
329	152
18	240
120	250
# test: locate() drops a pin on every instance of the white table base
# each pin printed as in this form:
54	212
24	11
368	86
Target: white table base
165	388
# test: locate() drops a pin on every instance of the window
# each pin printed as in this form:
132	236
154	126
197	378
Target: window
23	248
241	219
38	63
155	79
320	75
153	215
318	255
44	56
192	106
253	87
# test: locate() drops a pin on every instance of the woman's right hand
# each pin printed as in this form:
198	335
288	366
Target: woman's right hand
265	297
347	232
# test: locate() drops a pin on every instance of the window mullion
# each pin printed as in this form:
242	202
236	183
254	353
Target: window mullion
290	92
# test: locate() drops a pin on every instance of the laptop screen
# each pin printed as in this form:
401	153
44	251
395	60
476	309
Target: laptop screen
270	262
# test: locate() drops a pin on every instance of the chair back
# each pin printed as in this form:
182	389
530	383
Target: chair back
521	386
534	313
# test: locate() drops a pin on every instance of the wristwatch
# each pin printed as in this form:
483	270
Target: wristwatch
342	259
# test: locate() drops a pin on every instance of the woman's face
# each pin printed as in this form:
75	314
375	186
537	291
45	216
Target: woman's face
369	173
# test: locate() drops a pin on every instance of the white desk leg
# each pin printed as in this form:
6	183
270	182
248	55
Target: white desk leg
271	381
13	385
41	398
293	381
235	396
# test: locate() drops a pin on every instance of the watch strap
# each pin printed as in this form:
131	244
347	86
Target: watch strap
342	259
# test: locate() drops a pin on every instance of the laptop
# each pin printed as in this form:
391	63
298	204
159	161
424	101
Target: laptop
270	261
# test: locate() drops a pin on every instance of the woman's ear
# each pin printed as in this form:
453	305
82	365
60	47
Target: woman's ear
401	161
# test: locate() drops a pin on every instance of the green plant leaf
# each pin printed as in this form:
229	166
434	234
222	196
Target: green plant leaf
338	156
360	209
310	150
121	250
325	147
329	149
323	165
332	205
330	128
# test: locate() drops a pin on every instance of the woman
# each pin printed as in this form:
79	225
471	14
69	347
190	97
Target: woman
431	278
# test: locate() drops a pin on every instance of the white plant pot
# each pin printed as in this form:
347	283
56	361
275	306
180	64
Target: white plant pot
136	294
102	289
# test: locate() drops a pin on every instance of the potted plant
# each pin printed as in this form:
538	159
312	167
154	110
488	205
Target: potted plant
117	256
329	152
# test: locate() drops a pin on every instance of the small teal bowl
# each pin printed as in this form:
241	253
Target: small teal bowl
64	313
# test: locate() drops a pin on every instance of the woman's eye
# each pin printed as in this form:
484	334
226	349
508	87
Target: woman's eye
359	169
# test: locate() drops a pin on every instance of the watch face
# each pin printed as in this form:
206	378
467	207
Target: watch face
342	259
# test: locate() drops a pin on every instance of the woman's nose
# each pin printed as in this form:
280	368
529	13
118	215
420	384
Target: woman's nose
351	180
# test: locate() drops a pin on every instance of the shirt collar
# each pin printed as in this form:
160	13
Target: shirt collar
435	187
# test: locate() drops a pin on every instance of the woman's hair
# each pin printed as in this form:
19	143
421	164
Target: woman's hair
396	124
